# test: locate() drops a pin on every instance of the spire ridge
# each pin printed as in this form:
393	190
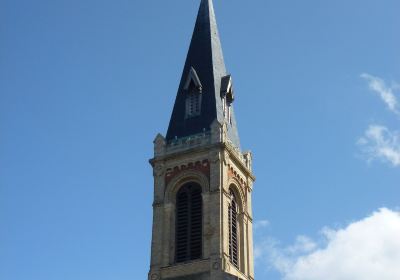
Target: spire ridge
195	110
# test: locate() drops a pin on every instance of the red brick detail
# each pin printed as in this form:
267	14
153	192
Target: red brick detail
233	174
202	166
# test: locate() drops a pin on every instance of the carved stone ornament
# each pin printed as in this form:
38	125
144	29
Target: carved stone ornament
159	145
155	276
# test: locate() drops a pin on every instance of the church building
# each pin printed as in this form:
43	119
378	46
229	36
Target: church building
203	182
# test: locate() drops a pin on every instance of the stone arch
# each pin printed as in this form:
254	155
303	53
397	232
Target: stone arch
235	185
181	179
171	191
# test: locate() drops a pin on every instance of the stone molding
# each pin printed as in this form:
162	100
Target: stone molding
183	177
239	190
188	268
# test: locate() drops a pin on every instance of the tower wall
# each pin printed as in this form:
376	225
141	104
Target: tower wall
212	162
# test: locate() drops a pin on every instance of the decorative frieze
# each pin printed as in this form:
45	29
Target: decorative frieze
202	166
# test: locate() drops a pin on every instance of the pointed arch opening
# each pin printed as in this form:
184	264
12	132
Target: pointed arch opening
193	90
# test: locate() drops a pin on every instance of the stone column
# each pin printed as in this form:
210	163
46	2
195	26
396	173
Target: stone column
167	253
250	230
250	249
158	215
207	226
157	234
244	244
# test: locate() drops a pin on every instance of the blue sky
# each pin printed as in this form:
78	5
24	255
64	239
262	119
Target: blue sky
86	85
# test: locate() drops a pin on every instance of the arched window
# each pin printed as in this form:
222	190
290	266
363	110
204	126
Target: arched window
189	223
233	230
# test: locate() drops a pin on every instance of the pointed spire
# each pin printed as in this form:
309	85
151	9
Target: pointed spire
205	59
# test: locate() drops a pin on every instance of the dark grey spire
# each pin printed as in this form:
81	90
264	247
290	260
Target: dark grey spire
202	74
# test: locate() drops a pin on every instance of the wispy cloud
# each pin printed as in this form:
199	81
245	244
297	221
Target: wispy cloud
368	249
380	143
260	224
385	92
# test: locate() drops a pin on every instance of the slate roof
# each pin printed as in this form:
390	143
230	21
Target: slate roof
206	58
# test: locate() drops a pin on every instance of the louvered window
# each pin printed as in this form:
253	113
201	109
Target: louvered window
193	101
189	223
233	231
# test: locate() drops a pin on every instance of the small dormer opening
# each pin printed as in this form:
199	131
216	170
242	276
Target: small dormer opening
193	89
227	97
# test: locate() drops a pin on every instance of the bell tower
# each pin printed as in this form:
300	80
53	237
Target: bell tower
202	209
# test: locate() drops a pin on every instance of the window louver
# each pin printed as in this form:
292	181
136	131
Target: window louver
233	232
189	223
193	101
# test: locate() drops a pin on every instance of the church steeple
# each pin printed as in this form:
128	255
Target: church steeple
203	183
205	91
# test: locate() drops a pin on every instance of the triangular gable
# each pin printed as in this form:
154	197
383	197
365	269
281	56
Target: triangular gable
227	88
193	77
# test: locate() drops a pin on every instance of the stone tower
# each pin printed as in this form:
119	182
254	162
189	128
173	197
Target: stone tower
202	212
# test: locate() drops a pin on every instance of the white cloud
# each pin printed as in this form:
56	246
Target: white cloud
260	224
385	92
303	244
368	249
379	142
